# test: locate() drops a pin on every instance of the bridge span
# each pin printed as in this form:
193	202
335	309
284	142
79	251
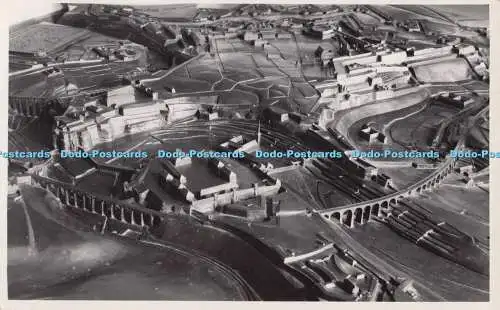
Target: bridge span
134	217
362	212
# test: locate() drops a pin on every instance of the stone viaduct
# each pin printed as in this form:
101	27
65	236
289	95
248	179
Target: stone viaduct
361	213
34	106
97	204
350	215
28	106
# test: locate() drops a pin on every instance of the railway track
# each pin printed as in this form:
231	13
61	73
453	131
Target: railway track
238	127
245	290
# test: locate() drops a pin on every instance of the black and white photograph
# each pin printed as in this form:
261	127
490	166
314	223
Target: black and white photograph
249	152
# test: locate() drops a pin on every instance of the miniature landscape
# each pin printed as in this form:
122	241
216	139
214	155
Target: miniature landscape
250	152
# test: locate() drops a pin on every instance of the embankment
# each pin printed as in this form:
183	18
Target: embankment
351	116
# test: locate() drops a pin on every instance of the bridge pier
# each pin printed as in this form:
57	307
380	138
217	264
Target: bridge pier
59	193
23	109
37	109
66	194
69	196
122	215
375	211
132	218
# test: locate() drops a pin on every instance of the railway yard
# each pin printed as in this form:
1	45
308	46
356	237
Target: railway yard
254	80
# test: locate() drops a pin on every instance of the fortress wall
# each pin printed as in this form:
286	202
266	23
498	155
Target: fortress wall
430	56
246	193
401	80
208	205
117	126
87	141
349	58
145	125
360	70
141	118
217	188
362	61
268	190
394	58
94	134
182	110
224	199
357	79
434	50
357	100
432	60
391	69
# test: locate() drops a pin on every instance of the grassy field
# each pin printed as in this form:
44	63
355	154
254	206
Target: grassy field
420	10
466	15
44	36
403	13
421	128
366	19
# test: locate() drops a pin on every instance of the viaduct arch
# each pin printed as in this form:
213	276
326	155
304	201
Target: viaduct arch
96	204
361	213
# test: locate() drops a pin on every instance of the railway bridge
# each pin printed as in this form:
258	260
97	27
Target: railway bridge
106	207
28	106
34	106
361	213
